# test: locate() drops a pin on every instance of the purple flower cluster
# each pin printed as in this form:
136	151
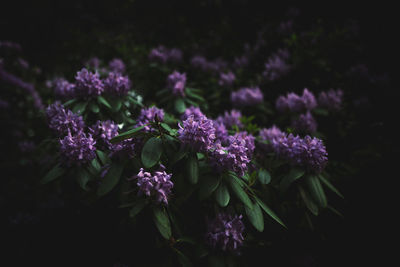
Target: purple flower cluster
77	149
248	140
226	79
308	152
221	133
104	130
158	184
88	84
332	99
226	232
215	66
148	115
295	103
198	133
231	118
177	81
117	65
116	84
305	123
247	97
241	62
192	111
164	55
62	88
62	120
276	65
269	135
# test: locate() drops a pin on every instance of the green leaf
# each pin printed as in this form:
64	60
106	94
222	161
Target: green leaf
178	156
151	152
180	106
126	135
166	127
308	201
222	195
239	192
69	102
269	212
264	176
255	216
316	190
208	186
330	186
161	220
116	105
103	157
111	179
194	95
80	107
53	174
83	178
103	101
288	179
94	108
183	260
96	165
193	168
137	207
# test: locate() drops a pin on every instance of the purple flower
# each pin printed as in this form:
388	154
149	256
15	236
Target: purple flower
117	65
195	111
269	135
88	84
63	121
215	66
226	232
309	99
221	133
157	185
199	62
198	133
332	99
226	79
282	104
62	88
148	115
295	103
164	55
124	149
241	62
104	131
248	140
231	118
305	123
175	55
116	84
77	149
247	97
276	66
177	81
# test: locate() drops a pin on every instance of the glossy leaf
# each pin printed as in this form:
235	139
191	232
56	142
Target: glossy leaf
103	157
264	176
80	107
111	179
126	135
192	168
180	106
269	212
222	195
151	152
161	220
316	190
56	172
103	101
137	207
94	108
288	179
83	177
330	186
208	186
239	192
255	217
308	201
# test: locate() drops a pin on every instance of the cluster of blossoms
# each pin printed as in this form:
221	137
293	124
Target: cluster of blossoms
116	84
249	142
226	79
295	103
268	136
241	61
192	111
88	84
247	97
226	232
77	149
164	55
148	115
305	123
176	82
117	65
307	152
331	100
215	66
62	88
229	119
104	131
198	133
62	120
277	66
157	185
221	133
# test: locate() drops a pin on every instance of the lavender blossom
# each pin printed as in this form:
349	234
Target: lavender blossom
226	232
104	131
269	135
62	120
331	100
177	81
195	111
276	66
175	55
117	65
247	97
241	62
157	185
164	55
77	149
116	84
231	118
305	123
199	62
221	133
308	99
62	88
198	133
248	140
88	84
295	103
226	79
148	115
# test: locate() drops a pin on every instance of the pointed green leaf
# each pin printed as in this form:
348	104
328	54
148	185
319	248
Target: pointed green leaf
308	201
69	102
288	179
192	168
126	135
53	174
111	179
208	186
137	207
116	105
270	212
239	192
96	165
151	152
103	157
183	260
80	107
103	101
161	220
83	177
330	186
255	216
316	190
264	176
94	108
180	106
222	195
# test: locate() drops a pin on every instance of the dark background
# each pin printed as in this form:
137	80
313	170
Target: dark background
56	33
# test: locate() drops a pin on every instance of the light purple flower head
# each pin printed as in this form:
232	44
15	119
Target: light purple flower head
62	88
77	149
157	185
295	103
248	140
177	81
309	99
226	79
148	115
88	84
117	65
159	54
62	120
198	133
269	135
247	97
305	123
241	62
116	84
276	66
221	133
199	62
104	130
225	232
192	110
331	100
231	118
175	55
